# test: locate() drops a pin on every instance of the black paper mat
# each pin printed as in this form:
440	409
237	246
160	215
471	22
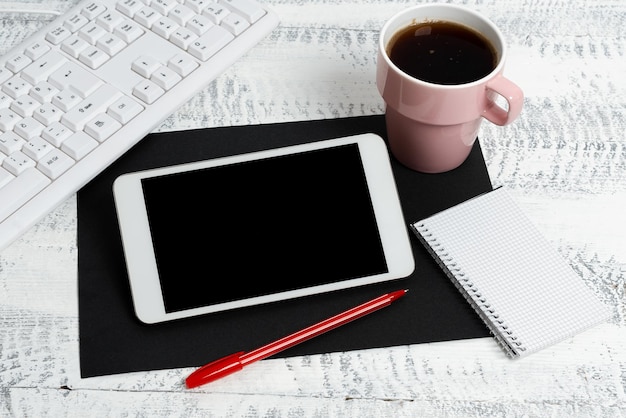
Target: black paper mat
113	341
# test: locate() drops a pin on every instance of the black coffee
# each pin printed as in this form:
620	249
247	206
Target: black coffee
442	53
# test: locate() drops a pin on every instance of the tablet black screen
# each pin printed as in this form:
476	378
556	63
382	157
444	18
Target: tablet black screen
260	227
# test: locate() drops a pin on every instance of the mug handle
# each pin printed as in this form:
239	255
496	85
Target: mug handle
511	93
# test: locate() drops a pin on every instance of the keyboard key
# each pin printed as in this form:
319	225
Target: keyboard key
55	163
182	64
235	23
181	14
124	109
145	66
5	100
102	126
17	163
78	145
75	22
146	16
110	19
129	7
197	5
74	45
66	99
165	78
86	110
36	50
57	35
128	31
21	189
17	63
164	27
79	79
93	57
37	148
43	67
5	74
111	44
47	113
43	91
8	119
147	91
92	32
182	37
163	6
24	105
215	12
16	86
208	44
92	10
199	24
28	128
56	133
252	11
10	142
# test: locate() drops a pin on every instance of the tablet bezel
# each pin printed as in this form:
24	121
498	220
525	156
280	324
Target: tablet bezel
140	256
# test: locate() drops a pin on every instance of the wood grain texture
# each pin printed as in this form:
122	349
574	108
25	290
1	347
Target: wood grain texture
564	160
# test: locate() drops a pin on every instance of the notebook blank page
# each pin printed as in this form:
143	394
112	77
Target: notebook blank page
512	270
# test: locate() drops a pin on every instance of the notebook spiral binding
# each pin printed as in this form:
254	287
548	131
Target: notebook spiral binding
497	326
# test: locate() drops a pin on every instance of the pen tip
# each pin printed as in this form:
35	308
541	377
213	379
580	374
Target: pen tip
397	294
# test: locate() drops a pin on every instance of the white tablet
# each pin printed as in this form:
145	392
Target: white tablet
261	227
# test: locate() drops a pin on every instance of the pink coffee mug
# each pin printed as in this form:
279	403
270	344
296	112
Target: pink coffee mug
432	127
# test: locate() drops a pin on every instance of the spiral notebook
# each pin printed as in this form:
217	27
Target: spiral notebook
525	292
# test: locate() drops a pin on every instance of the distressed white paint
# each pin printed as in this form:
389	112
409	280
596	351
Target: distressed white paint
564	160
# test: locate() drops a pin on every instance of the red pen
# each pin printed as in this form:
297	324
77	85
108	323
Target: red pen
235	362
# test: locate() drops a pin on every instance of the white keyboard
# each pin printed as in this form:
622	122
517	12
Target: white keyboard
81	91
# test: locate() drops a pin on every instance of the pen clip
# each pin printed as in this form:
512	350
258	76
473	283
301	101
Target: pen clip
215	370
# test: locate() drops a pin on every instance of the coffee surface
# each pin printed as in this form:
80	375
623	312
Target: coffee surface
442	53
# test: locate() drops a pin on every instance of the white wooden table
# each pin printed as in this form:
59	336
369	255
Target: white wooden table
564	160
